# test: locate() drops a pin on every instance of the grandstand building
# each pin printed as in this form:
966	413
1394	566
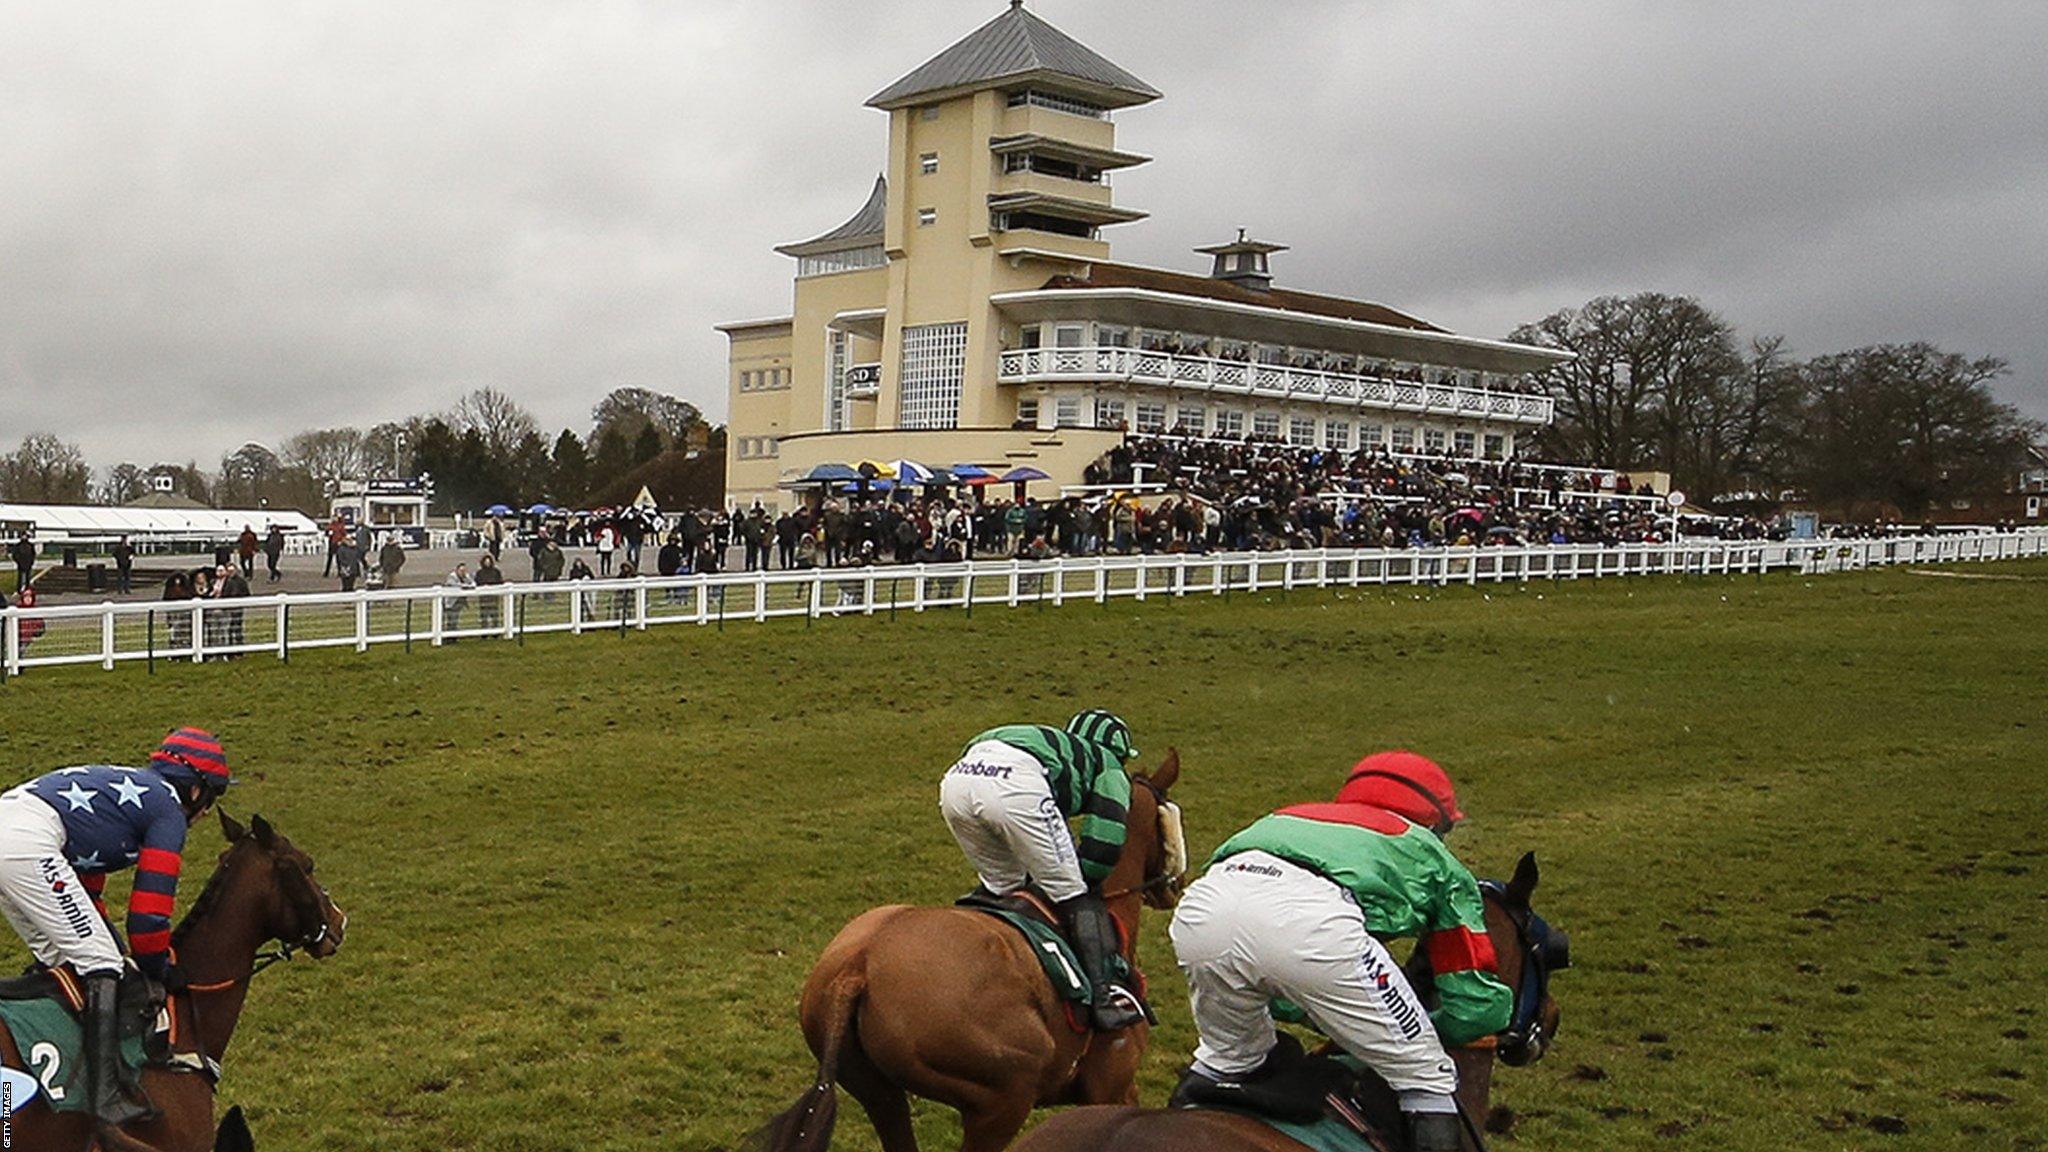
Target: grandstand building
969	310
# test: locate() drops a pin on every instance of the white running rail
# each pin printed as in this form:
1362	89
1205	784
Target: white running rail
112	633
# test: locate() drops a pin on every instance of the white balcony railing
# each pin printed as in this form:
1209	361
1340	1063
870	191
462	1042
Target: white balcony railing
1274	381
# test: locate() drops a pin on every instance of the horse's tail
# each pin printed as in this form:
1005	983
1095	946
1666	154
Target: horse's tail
233	1134
807	1125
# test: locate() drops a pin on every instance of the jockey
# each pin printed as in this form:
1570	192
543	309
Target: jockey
1007	802
1296	908
61	834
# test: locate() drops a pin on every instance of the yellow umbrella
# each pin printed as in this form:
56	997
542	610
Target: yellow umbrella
876	470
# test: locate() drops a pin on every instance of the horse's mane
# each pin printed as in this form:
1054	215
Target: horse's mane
209	896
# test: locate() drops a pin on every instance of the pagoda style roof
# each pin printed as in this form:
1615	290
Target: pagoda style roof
861	229
1107	275
1017	47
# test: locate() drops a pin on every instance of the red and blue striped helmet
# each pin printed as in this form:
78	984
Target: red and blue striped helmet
194	754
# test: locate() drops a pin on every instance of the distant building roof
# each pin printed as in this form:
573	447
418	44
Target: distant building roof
1017	46
92	520
164	500
862	229
1105	275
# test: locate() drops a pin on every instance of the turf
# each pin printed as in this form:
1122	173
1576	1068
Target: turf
1795	827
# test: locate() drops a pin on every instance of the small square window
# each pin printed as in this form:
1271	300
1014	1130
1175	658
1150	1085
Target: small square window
926	217
928	112
928	163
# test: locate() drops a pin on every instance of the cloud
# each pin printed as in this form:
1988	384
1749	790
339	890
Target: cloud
240	220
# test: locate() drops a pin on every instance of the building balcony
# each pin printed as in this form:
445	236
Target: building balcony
1266	381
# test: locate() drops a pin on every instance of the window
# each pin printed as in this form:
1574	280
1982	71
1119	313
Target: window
746	381
928	112
838	357
1065	104
1189	418
1301	432
1230	422
1040	222
1496	445
1066	412
1027	336
1404	438
934	356
1027	411
1433	439
1069	335
1337	435
1371	436
926	217
1110	336
928	163
1151	417
1109	413
847	261
1266	424
1465	443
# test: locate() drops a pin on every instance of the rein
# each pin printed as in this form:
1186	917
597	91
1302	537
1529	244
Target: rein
1164	879
1543	950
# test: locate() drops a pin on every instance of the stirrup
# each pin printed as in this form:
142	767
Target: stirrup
1117	1008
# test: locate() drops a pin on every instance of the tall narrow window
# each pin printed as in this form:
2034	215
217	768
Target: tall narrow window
839	356
934	359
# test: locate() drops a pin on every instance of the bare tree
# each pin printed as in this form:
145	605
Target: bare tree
246	475
327	454
45	470
125	482
497	418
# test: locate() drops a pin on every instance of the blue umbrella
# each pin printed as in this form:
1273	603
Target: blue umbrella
829	474
498	510
540	510
1023	474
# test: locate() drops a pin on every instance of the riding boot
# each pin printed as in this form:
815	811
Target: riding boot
109	1097
1435	1132
1096	941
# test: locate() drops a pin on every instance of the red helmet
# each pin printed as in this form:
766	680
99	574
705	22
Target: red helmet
1406	784
196	755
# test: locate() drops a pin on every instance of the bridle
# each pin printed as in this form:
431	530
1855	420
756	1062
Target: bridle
1544	950
1153	883
306	907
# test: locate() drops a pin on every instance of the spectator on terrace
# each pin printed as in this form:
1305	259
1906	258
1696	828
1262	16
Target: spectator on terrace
391	559
124	566
488	576
23	553
273	551
245	551
348	562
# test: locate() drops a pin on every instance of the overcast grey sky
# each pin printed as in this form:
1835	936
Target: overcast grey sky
235	220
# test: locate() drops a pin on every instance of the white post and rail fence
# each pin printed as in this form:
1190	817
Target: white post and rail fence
108	634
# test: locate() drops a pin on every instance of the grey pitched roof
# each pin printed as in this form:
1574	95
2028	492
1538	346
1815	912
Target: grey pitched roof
1016	44
865	226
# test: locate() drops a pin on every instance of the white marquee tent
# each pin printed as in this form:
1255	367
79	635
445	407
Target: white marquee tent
87	521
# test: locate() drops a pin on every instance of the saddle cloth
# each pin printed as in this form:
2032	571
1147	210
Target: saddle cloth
41	1011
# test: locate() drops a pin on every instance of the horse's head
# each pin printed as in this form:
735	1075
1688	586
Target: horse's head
1528	950
1154	833
290	906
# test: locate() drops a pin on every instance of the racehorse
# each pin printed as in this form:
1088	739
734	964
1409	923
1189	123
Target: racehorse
951	1004
1528	950
262	890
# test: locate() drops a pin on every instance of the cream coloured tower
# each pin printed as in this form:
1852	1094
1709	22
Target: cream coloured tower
968	312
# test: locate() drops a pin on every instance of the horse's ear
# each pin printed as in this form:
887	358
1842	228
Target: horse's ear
1523	885
267	836
1167	774
228	828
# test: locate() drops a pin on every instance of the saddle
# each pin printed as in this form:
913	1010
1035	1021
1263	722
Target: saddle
1033	916
46	1006
1322	1100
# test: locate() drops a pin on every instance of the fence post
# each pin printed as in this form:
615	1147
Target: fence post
284	631
107	640
917	589
362	622
150	641
576	614
198	634
436	615
10	640
640	607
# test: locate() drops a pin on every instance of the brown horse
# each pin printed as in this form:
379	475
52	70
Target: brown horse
1528	949
263	890
950	1004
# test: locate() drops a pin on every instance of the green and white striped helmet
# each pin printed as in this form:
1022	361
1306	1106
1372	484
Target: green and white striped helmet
1104	729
